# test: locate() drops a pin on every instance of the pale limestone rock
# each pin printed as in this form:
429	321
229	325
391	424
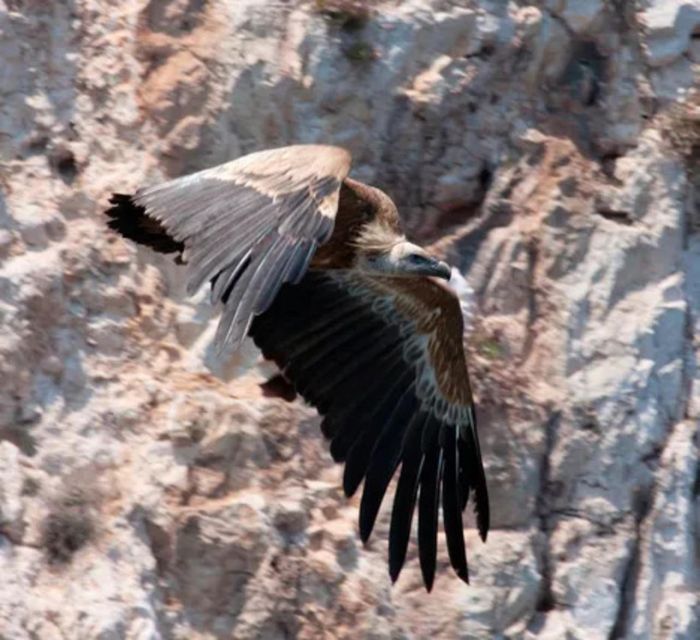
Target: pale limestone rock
669	26
580	15
667	541
11	480
523	140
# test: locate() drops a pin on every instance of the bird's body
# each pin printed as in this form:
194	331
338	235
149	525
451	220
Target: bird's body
314	266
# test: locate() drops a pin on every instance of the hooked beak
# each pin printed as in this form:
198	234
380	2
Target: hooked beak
442	270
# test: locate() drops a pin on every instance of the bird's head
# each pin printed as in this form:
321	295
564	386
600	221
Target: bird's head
404	259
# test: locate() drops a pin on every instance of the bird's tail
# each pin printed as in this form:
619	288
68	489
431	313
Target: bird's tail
131	221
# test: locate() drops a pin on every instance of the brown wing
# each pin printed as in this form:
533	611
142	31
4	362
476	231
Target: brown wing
248	225
382	360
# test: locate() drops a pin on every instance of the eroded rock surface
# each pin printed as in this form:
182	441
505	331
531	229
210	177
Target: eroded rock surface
549	149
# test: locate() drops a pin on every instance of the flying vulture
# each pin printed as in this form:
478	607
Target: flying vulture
314	266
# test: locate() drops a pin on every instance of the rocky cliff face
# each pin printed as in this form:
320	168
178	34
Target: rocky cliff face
549	149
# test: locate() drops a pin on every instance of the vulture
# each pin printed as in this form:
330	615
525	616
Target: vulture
315	268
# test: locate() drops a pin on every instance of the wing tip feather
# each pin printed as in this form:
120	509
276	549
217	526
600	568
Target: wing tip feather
463	575
133	222
483	533
394	572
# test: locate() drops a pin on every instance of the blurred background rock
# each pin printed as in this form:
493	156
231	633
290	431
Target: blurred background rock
548	149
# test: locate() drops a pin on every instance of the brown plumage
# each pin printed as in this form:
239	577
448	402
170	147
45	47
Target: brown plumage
315	268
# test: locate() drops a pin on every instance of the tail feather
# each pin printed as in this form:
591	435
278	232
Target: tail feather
132	222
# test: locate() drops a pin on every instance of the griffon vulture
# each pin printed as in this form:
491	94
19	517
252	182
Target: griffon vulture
315	268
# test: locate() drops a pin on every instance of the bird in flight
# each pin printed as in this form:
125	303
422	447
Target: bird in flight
314	266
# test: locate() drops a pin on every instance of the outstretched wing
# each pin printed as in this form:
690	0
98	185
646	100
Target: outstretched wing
382	359
248	226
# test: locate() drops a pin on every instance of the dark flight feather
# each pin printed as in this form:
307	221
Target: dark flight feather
428	509
353	419
452	506
405	497
358	455
383	462
356	366
131	221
